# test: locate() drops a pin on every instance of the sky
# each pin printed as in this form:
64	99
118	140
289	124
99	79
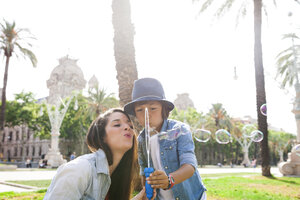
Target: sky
187	52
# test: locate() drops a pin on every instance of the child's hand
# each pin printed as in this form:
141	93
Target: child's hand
158	179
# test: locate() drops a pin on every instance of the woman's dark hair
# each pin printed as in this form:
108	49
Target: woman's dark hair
122	177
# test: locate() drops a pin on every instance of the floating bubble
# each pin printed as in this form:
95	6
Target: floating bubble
263	109
174	133
202	135
257	136
248	129
297	149
223	136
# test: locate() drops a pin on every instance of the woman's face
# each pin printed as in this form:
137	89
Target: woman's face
155	114
119	133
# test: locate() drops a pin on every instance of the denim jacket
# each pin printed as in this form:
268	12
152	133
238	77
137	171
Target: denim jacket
86	177
173	154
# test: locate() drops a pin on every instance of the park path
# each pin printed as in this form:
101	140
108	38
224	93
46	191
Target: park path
22	174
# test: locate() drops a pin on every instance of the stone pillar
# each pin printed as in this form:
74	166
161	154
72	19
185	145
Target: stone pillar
292	166
53	156
296	110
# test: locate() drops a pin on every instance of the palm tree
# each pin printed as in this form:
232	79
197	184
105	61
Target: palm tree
99	101
124	49
259	71
219	114
288	60
11	43
288	68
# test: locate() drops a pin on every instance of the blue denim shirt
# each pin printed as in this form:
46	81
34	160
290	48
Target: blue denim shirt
86	177
173	154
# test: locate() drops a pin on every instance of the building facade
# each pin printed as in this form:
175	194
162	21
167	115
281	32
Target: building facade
18	143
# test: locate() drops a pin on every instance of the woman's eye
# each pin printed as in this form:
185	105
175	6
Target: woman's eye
117	125
153	108
131	126
139	110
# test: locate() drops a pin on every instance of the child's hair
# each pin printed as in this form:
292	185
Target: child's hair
165	109
122	177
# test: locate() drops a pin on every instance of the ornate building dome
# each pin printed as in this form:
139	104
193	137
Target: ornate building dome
64	79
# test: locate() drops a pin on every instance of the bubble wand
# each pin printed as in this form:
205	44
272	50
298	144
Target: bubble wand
148	170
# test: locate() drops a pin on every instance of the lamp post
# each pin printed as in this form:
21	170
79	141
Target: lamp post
56	115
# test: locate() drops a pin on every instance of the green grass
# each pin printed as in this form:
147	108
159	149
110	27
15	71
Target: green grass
35	183
38	195
203	176
256	187
224	187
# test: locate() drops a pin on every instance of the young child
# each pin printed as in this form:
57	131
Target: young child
176	175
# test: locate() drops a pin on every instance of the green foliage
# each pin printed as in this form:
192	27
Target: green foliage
193	118
25	110
75	125
14	41
288	60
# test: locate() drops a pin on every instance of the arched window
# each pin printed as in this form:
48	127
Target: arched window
40	150
27	151
17	135
33	151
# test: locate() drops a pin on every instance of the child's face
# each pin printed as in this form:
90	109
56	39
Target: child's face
155	114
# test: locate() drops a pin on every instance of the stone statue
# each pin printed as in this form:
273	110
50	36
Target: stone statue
292	166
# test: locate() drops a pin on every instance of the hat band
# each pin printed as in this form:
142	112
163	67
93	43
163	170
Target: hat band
148	96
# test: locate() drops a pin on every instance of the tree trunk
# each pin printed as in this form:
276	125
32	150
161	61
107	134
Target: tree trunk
3	105
260	88
125	57
124	49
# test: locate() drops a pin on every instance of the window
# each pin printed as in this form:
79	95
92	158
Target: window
17	135
10	136
33	151
40	150
15	151
28	134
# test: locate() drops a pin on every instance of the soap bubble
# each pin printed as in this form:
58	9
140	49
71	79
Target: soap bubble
248	129
257	136
202	135
174	133
297	149
263	109
223	136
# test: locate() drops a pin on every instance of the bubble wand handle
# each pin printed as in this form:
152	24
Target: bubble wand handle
148	170
149	189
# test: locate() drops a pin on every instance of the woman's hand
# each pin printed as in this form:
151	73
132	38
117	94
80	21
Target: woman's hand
158	179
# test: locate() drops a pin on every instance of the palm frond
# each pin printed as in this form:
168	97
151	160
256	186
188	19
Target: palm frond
224	8
205	5
242	12
29	54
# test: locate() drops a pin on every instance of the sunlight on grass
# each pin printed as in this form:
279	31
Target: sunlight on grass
257	187
218	188
35	183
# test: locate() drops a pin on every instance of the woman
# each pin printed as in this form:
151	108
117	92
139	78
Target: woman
107	173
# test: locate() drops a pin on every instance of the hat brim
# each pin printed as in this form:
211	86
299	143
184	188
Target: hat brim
129	107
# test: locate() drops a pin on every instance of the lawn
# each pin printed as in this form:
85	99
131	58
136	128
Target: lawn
223	187
254	187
